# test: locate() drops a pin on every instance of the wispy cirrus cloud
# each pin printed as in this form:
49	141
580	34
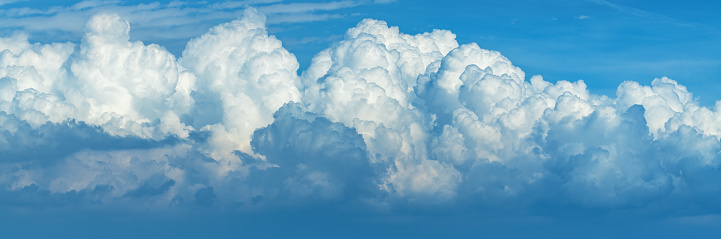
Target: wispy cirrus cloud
163	20
306	7
642	13
4	2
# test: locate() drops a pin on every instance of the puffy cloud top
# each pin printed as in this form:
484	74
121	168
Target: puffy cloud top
129	89
244	74
381	120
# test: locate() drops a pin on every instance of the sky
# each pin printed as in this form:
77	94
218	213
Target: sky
357	119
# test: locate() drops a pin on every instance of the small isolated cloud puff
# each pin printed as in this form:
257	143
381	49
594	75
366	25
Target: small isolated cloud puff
380	119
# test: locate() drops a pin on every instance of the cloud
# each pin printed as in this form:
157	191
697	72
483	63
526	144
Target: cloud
244	72
645	14
381	120
365	81
305	7
5	2
122	93
160	21
312	158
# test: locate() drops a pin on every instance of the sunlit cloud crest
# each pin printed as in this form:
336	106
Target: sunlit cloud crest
380	119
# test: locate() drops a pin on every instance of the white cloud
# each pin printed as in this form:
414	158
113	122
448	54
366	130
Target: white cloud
108	81
380	119
366	81
244	72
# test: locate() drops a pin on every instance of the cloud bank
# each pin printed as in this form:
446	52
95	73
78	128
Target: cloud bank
381	120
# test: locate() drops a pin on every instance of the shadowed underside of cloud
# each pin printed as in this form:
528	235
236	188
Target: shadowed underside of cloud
380	120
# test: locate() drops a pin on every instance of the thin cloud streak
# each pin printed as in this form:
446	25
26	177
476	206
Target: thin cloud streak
159	17
646	14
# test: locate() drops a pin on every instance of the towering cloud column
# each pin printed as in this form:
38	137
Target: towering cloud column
244	76
366	81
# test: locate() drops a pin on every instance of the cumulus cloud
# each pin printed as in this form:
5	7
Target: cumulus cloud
243	72
313	158
381	119
366	81
107	81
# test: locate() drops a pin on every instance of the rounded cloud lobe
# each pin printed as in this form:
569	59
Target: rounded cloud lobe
380	119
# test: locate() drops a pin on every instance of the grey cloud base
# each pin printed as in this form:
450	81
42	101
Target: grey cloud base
382	121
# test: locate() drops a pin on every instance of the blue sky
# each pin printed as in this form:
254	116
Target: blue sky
278	119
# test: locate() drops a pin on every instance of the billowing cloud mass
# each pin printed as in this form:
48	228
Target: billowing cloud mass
380	120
